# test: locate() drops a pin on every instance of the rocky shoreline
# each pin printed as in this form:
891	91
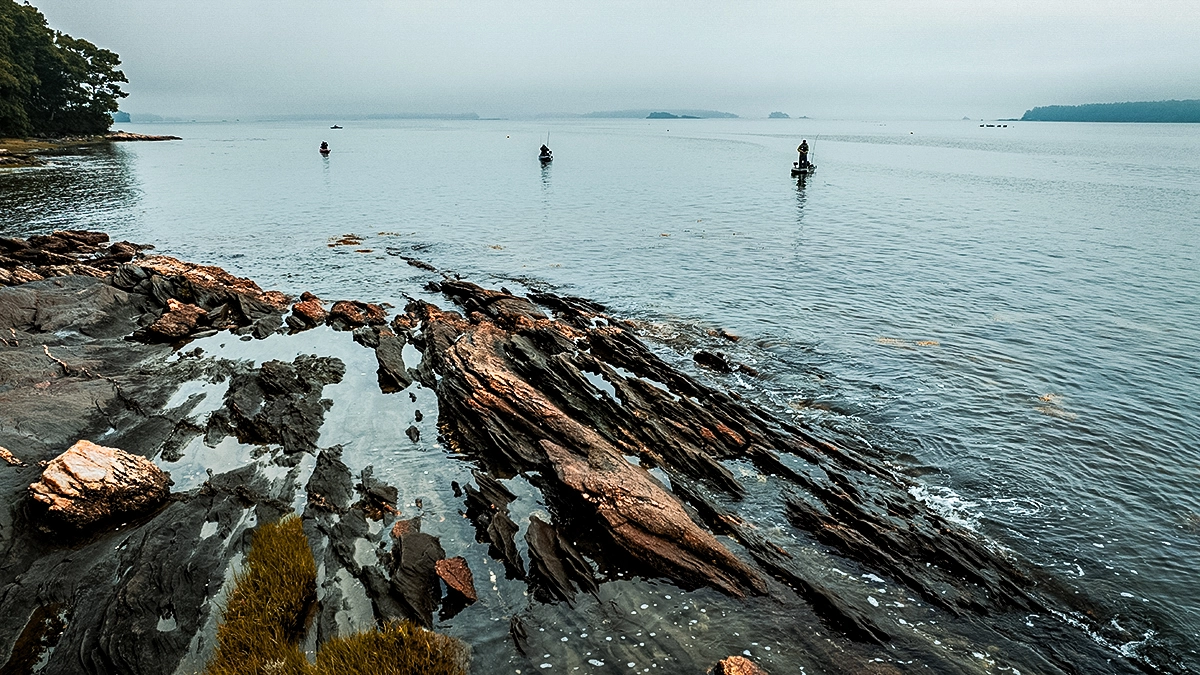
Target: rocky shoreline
594	475
20	153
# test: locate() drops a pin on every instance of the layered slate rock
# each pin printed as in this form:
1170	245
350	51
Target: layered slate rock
580	404
91	483
512	392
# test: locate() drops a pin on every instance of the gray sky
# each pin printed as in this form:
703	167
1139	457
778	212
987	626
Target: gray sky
829	58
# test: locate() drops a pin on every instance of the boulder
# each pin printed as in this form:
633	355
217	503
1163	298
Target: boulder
346	314
90	483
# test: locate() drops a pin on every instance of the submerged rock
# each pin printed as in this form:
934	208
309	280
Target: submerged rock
278	403
90	483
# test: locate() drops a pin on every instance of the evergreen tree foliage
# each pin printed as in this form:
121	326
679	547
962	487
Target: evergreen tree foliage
50	82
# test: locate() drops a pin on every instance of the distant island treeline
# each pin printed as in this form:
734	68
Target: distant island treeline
671	113
1133	111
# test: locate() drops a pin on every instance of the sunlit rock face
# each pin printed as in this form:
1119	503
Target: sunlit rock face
90	483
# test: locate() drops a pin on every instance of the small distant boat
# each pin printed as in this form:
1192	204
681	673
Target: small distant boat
546	157
803	171
324	150
335	127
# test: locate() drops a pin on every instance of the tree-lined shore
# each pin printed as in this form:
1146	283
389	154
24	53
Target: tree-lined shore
1130	111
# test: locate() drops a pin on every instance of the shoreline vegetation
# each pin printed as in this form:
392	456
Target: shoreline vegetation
1173	112
57	93
641	472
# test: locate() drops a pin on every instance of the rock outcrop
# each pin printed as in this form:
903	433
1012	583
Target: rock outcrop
91	483
512	392
581	402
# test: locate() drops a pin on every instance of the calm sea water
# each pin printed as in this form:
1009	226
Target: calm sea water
1013	313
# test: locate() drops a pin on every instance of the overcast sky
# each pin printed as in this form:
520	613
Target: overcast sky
856	59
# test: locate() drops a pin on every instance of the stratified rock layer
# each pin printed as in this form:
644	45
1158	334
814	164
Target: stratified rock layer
90	483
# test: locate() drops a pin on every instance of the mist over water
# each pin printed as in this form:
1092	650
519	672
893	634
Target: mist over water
1011	313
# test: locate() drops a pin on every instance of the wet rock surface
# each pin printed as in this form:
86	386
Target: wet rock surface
599	490
278	403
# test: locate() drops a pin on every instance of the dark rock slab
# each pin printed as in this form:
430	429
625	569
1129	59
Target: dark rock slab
414	576
278	403
393	374
487	507
556	569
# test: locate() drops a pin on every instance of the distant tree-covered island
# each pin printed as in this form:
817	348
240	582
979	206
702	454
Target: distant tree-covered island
52	84
1133	111
670	116
779	116
645	114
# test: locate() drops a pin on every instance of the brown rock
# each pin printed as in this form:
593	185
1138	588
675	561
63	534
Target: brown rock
376	315
88	271
458	578
180	320
309	310
347	313
23	275
207	279
403	527
352	314
736	665
89	483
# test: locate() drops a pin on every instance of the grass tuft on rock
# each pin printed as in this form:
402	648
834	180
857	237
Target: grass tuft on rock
267	612
267	615
401	648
